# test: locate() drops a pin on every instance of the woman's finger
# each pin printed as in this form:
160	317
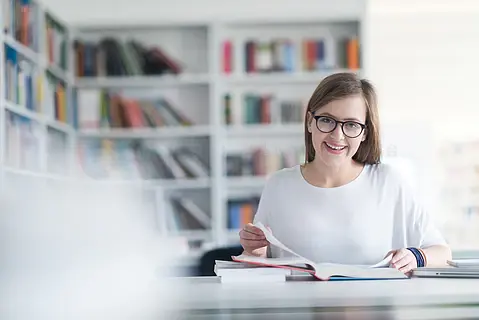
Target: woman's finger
404	261
253	229
407	268
398	256
253	244
251	236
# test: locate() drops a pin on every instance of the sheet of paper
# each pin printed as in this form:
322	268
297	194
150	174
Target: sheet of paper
383	263
272	239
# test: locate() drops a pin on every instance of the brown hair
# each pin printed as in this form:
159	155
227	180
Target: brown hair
339	86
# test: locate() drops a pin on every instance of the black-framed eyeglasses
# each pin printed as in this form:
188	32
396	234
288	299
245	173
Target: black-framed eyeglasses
351	129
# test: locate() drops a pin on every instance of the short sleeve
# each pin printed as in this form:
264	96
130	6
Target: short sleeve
265	204
420	228
423	231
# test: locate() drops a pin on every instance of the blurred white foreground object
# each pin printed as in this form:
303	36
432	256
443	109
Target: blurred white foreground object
80	250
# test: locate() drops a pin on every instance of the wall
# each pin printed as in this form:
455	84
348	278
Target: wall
156	11
421	55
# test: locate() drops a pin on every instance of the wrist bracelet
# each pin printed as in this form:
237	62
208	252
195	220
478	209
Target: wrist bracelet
423	256
419	257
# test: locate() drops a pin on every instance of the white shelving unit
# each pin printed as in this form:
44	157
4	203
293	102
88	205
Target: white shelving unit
199	92
39	116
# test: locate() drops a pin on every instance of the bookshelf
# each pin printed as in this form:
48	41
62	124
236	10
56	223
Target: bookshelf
198	113
36	111
242	88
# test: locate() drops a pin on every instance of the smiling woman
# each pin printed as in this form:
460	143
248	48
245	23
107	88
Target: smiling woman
343	205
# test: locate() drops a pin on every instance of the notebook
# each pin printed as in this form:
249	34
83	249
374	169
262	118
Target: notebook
321	271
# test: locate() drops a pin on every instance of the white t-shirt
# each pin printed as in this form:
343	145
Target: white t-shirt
357	223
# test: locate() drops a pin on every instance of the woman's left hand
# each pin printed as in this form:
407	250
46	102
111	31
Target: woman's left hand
403	260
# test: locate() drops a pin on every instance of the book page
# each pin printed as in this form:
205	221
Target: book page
272	239
383	263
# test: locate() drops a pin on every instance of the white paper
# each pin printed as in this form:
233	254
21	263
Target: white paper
384	263
272	240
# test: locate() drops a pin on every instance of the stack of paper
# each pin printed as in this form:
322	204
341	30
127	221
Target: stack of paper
464	263
235	272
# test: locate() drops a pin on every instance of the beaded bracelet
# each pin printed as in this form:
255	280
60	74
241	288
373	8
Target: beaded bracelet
418	255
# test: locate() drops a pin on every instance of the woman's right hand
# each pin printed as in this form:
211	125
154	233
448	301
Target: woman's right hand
253	241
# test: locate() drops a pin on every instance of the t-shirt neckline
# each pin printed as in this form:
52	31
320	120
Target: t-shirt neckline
346	185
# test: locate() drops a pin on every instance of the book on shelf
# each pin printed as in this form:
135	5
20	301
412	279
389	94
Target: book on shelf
21	23
263	109
57	152
105	109
283	54
56	43
122	159
41	92
23	138
261	162
111	57
184	214
321	270
241	211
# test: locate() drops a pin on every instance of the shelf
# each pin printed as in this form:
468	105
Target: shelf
36	174
246	182
41	119
36	58
191	234
280	77
182	184
261	130
142	81
58	73
147	133
23	50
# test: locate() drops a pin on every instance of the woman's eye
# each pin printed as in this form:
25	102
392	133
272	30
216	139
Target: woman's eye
325	120
352	125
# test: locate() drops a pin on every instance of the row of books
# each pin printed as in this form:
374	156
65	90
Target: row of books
23	145
120	159
283	55
263	109
261	162
104	109
113	57
56	43
241	212
27	86
184	214
20	21
59	152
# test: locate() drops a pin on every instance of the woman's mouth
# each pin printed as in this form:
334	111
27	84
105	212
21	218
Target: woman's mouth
334	148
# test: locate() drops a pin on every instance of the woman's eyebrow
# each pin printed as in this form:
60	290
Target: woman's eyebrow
346	119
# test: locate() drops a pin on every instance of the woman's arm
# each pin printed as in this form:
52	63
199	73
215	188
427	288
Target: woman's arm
437	255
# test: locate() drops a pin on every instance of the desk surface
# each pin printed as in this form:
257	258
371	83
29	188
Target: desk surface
444	297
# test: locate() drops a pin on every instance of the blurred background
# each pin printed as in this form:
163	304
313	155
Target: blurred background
191	104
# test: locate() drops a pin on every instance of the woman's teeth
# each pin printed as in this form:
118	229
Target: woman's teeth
335	147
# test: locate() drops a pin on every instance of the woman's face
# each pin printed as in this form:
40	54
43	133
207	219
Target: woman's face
341	144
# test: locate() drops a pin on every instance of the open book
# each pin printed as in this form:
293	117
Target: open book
321	271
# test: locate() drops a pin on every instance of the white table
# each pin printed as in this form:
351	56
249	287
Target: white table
207	298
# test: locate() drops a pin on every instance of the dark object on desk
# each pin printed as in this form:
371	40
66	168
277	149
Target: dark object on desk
207	261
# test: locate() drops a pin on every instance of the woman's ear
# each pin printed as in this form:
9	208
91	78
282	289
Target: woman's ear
309	120
364	136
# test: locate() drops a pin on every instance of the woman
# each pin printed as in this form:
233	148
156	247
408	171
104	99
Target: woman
343	205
